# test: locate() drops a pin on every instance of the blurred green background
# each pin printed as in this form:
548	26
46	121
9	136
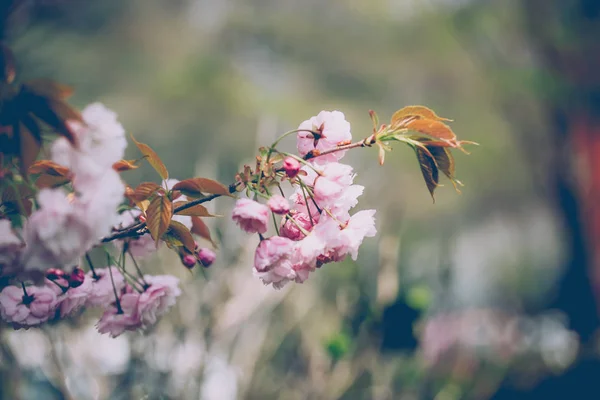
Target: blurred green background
486	294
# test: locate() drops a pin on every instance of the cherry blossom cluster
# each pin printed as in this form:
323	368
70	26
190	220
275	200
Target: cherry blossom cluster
42	262
52	229
315	225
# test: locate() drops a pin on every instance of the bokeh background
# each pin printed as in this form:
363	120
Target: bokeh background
490	294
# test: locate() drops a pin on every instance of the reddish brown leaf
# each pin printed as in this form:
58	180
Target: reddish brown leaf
29	147
433	128
197	210
196	187
145	190
124	165
48	167
49	89
7	64
50	181
415	112
429	169
200	229
53	112
152	158
158	216
183	234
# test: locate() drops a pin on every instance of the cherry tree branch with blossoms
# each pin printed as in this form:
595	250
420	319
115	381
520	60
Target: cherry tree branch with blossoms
55	211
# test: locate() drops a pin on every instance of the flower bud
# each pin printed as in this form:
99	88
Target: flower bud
76	278
291	166
279	205
188	261
206	257
55	273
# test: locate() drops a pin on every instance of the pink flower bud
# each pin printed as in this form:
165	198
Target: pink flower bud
76	278
189	261
291	166
55	273
279	205
206	256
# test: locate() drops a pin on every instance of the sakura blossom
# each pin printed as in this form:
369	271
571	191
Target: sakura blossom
322	132
74	299
27	307
116	321
251	216
57	234
101	143
160	295
102	292
313	226
279	205
273	261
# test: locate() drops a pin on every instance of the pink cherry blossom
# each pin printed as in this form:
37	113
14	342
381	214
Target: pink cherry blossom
291	166
115	322
101	142
306	254
56	234
158	297
291	230
273	261
346	201
360	225
332	130
251	216
98	202
334	179
24	311
74	298
299	205
279	204
342	241
102	292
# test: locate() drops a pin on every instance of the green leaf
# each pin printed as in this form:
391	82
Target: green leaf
338	346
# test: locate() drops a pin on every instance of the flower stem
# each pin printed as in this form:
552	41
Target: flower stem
302	186
112	281
89	261
366	142
139	271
